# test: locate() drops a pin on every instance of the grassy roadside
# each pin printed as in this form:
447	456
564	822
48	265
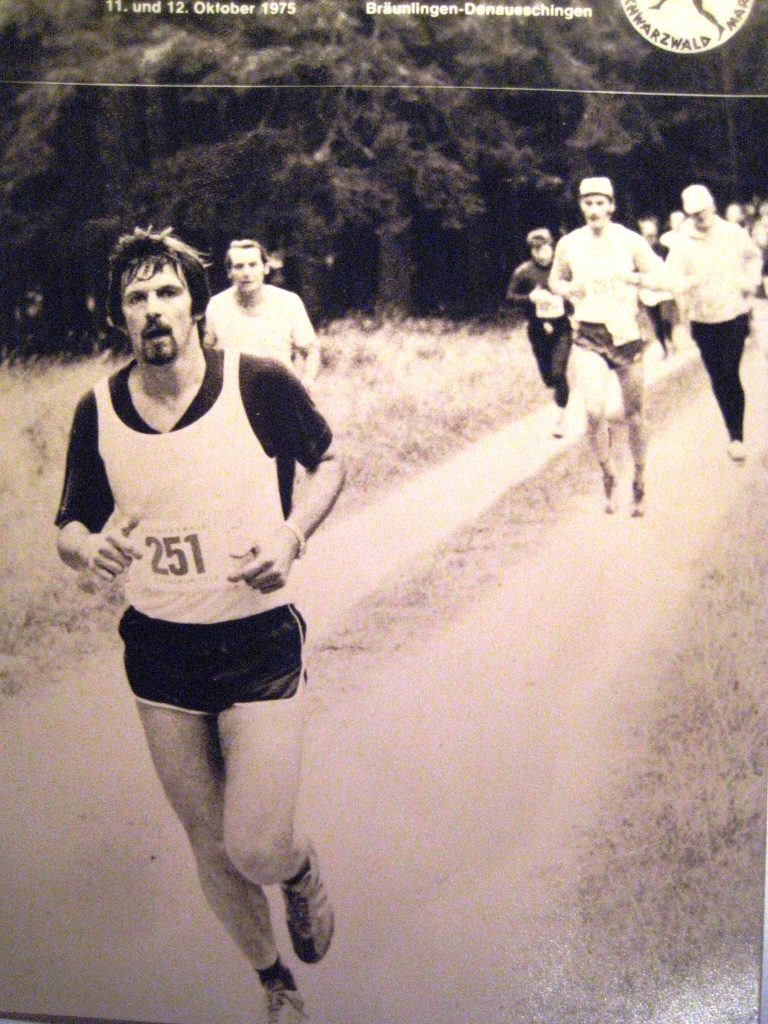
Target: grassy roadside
687	822
664	920
398	395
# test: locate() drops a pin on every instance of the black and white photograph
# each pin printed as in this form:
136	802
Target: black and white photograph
450	324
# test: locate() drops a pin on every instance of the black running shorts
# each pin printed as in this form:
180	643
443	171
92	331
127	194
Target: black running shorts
598	339
209	668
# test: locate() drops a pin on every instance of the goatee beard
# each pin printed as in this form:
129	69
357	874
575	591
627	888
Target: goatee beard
160	350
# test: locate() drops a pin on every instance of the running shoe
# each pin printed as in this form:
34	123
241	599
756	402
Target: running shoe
609	485
285	1006
737	451
309	913
558	430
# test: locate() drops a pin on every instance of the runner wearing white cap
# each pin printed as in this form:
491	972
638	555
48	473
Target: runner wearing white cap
716	267
601	267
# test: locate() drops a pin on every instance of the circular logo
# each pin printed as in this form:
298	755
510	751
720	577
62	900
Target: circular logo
687	26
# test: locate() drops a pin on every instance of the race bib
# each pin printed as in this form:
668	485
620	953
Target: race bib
548	306
617	300
188	555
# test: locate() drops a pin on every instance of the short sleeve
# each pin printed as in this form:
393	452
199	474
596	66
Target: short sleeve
561	264
281	412
520	284
86	495
303	333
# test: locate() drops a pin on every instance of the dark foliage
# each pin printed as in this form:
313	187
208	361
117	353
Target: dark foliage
396	163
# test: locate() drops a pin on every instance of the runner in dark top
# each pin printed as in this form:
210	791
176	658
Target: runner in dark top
178	481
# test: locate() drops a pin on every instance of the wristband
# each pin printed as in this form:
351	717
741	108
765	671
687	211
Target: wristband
299	537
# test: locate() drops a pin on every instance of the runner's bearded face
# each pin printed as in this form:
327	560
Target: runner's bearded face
246	270
597	210
157	306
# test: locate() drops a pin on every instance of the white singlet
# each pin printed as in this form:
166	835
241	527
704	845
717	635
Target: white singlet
203	495
602	264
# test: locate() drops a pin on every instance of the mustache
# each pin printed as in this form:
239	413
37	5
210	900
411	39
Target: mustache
155	331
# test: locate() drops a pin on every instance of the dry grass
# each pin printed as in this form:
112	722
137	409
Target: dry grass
399	395
671	885
38	596
691	820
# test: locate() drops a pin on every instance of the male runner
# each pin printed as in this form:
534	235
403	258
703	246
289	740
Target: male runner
717	267
548	326
261	318
601	267
178	481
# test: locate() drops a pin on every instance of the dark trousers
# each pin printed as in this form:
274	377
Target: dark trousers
551	349
722	346
661	327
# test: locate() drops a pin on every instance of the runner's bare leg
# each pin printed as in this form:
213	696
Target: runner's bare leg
193	769
262	746
632	384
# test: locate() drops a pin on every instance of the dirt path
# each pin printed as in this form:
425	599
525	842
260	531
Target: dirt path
452	787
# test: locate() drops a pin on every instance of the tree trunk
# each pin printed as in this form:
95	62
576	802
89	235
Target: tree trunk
394	292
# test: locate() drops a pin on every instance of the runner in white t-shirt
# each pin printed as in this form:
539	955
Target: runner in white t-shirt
601	268
259	318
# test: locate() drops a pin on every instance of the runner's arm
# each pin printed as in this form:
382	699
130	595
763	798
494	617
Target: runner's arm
210	337
290	428
317	495
304	341
269	566
87	504
106	553
682	277
561	275
520	287
86	493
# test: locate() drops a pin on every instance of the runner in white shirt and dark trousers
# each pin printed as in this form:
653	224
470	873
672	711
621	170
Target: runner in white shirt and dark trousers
548	325
179	481
717	267
601	268
259	318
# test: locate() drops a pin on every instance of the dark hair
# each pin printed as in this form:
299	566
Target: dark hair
145	247
247	243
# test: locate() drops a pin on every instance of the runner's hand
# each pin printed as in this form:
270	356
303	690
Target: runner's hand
575	290
109	553
266	566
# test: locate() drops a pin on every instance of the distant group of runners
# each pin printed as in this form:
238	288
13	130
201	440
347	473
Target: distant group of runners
590	299
180	480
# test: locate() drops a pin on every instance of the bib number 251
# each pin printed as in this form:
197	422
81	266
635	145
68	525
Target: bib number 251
176	556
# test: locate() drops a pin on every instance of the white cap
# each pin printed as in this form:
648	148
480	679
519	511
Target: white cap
596	187
696	198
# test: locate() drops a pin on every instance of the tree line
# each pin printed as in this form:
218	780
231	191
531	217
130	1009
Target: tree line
387	160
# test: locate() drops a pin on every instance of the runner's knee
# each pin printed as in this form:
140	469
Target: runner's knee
596	419
207	842
264	859
633	409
